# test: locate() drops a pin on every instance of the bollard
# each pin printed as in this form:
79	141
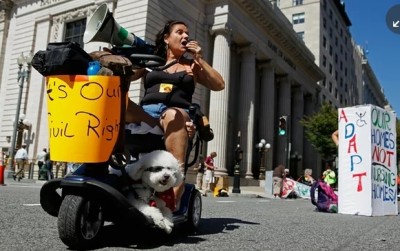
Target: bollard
31	166
2	175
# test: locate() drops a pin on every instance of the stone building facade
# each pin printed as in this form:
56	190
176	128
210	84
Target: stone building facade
268	70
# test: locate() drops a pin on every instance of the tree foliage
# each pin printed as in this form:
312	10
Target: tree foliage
318	129
320	126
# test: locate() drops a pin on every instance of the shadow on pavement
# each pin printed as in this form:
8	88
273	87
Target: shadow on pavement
148	238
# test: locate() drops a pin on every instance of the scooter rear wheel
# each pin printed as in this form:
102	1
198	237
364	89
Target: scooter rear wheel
194	213
79	221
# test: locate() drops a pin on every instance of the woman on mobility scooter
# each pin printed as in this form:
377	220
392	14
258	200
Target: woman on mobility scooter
168	93
85	199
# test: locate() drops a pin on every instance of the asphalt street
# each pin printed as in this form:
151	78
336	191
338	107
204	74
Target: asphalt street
229	223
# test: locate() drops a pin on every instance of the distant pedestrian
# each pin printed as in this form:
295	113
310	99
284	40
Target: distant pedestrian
49	166
209	165
21	158
200	168
40	158
277	176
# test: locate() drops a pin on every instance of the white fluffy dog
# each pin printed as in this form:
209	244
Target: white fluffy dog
156	171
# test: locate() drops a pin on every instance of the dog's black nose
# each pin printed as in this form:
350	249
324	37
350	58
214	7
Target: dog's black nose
166	176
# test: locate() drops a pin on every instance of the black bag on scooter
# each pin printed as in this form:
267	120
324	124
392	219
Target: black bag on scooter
201	120
64	58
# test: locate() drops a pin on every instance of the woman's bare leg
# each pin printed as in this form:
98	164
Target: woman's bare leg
174	121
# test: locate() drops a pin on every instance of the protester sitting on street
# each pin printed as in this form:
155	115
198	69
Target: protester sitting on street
278	175
329	176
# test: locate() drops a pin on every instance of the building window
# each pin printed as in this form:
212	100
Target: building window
336	93
330	87
324	22
324	41
74	31
297	2
300	35
324	60
330	69
298	18
324	82
330	50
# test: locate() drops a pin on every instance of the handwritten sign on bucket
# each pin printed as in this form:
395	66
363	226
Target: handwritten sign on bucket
83	117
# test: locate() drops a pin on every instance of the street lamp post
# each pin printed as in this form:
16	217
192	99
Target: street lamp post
23	74
263	146
236	174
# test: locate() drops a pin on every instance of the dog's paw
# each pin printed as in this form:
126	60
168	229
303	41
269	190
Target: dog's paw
169	225
168	228
155	215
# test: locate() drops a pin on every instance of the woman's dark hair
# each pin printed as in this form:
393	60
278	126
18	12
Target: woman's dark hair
160	49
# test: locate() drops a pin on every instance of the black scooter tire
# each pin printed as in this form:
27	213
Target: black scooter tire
79	221
194	212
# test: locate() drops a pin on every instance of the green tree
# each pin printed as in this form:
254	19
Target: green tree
318	129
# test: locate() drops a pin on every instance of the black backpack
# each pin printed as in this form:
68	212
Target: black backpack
64	58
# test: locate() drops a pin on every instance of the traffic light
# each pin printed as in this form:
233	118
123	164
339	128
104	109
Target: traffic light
282	129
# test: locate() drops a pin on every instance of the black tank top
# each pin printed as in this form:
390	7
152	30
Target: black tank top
172	89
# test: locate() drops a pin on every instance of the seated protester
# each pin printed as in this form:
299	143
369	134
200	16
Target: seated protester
168	93
329	176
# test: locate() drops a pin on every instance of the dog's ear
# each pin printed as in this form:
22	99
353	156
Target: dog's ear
135	170
179	177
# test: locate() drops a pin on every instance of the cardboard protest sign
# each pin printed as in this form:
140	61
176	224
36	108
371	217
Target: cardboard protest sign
83	117
367	161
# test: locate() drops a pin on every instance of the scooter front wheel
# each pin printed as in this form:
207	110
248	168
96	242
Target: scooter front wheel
79	221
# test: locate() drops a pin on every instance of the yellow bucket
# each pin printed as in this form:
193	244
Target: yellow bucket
83	117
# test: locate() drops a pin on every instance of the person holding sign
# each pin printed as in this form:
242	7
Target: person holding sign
168	93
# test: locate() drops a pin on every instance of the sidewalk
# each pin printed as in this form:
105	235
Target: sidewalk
245	191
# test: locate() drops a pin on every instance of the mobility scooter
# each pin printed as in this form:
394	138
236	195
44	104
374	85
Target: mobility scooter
90	196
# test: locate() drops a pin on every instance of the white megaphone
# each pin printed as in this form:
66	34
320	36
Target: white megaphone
102	27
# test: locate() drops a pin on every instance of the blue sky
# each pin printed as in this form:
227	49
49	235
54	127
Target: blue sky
368	18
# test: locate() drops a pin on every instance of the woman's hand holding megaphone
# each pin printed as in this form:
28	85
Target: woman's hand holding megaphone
193	47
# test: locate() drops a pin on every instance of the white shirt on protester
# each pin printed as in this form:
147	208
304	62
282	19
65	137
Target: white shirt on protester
21	154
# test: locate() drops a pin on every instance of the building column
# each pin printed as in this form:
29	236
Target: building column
284	109
267	110
297	130
246	106
219	101
309	151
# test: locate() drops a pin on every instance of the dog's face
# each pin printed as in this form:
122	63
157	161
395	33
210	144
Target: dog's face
158	169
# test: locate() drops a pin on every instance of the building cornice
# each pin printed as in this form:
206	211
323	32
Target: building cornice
280	30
